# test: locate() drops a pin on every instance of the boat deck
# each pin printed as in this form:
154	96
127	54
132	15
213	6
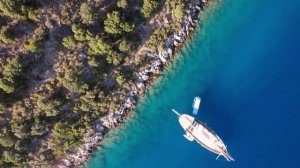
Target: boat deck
202	134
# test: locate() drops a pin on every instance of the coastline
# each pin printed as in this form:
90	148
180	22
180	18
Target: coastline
152	138
144	79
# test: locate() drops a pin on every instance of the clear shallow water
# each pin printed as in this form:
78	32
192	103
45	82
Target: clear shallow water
244	63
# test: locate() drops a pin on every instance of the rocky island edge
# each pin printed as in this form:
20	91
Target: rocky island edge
70	71
161	60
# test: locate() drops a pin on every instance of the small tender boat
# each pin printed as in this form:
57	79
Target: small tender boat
196	105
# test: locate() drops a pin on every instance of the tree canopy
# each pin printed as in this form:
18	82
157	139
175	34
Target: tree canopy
178	10
115	24
10	72
33	45
149	6
53	96
81	34
14	9
7	35
122	3
7	140
86	14
69	42
99	46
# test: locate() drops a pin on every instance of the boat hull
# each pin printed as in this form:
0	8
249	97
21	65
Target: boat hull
204	135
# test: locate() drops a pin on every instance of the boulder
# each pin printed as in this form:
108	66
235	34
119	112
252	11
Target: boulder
140	85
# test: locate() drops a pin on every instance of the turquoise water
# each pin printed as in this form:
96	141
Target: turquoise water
244	63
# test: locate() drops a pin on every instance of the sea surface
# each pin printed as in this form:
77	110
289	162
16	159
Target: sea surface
244	62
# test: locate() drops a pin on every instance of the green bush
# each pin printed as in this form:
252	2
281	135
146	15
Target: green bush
158	37
34	15
120	79
86	14
125	46
14	9
114	58
65	135
7	35
73	81
81	34
50	106
178	10
11	157
7	140
149	6
10	73
33	45
69	42
20	128
22	145
38	129
88	103
122	3
99	46
7	85
114	24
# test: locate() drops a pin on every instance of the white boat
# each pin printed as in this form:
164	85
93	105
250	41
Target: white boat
196	105
198	131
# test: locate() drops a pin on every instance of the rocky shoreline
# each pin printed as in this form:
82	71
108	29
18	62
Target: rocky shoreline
143	79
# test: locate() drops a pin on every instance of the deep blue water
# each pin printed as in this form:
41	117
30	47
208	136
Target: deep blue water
244	62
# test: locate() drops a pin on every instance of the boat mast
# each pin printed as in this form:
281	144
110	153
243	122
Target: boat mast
176	112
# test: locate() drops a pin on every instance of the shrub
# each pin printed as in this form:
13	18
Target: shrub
11	157
64	135
7	140
51	107
33	45
20	129
120	79
14	9
7	35
88	102
114	24
69	42
22	145
122	3
149	6
38	129
34	15
81	34
124	46
158	37
10	73
114	58
178	10
86	14
73	81
99	46
7	85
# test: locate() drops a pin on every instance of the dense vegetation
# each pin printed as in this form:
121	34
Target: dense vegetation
64	65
